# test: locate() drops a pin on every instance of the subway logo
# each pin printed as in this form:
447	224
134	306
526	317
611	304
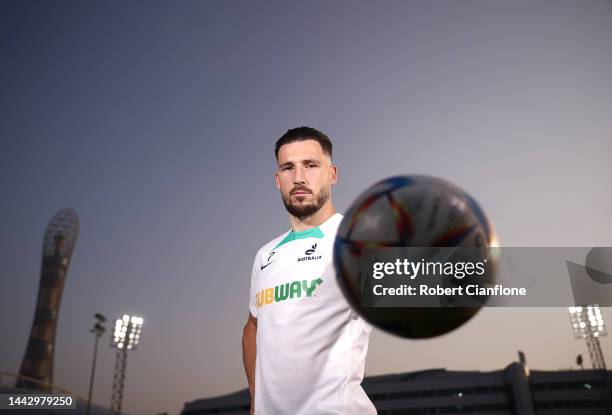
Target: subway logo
290	290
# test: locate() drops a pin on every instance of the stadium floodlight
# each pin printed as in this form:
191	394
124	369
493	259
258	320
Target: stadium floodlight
587	323
126	337
127	332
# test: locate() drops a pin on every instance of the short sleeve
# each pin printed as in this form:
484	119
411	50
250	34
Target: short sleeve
253	290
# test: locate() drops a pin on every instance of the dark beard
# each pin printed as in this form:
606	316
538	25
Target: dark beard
302	212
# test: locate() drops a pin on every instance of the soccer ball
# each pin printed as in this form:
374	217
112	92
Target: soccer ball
410	211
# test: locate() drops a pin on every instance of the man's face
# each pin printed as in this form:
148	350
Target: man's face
304	177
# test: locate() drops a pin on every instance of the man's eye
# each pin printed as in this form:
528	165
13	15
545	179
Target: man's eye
312	165
286	168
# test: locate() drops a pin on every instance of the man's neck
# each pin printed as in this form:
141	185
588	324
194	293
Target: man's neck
326	212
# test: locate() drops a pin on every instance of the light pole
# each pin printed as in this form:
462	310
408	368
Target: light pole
98	329
587	323
126	337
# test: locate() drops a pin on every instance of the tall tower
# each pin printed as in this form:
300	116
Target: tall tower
58	243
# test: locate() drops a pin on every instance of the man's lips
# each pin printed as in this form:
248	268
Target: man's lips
300	193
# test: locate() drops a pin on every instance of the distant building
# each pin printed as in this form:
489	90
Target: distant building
511	391
58	244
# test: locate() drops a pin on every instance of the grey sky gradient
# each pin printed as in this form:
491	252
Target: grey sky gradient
156	122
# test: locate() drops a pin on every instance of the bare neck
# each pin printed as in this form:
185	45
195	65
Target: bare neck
326	212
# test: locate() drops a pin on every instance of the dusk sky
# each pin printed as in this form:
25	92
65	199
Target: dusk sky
156	122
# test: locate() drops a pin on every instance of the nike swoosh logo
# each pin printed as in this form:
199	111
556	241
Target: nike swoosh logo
263	266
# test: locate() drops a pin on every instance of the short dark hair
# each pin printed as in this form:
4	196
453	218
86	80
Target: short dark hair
303	134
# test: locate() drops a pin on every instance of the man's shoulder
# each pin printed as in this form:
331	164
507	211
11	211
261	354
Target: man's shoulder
330	227
269	246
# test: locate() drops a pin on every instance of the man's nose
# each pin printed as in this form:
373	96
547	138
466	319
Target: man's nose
299	177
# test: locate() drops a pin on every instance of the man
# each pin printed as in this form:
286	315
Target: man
304	348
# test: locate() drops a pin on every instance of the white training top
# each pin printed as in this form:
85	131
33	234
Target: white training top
311	345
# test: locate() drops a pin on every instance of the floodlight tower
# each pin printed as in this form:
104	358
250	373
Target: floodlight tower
587	323
126	337
58	244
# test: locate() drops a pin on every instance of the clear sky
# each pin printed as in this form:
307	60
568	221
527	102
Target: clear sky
156	122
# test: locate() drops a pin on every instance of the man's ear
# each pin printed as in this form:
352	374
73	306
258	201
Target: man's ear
276	180
334	174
